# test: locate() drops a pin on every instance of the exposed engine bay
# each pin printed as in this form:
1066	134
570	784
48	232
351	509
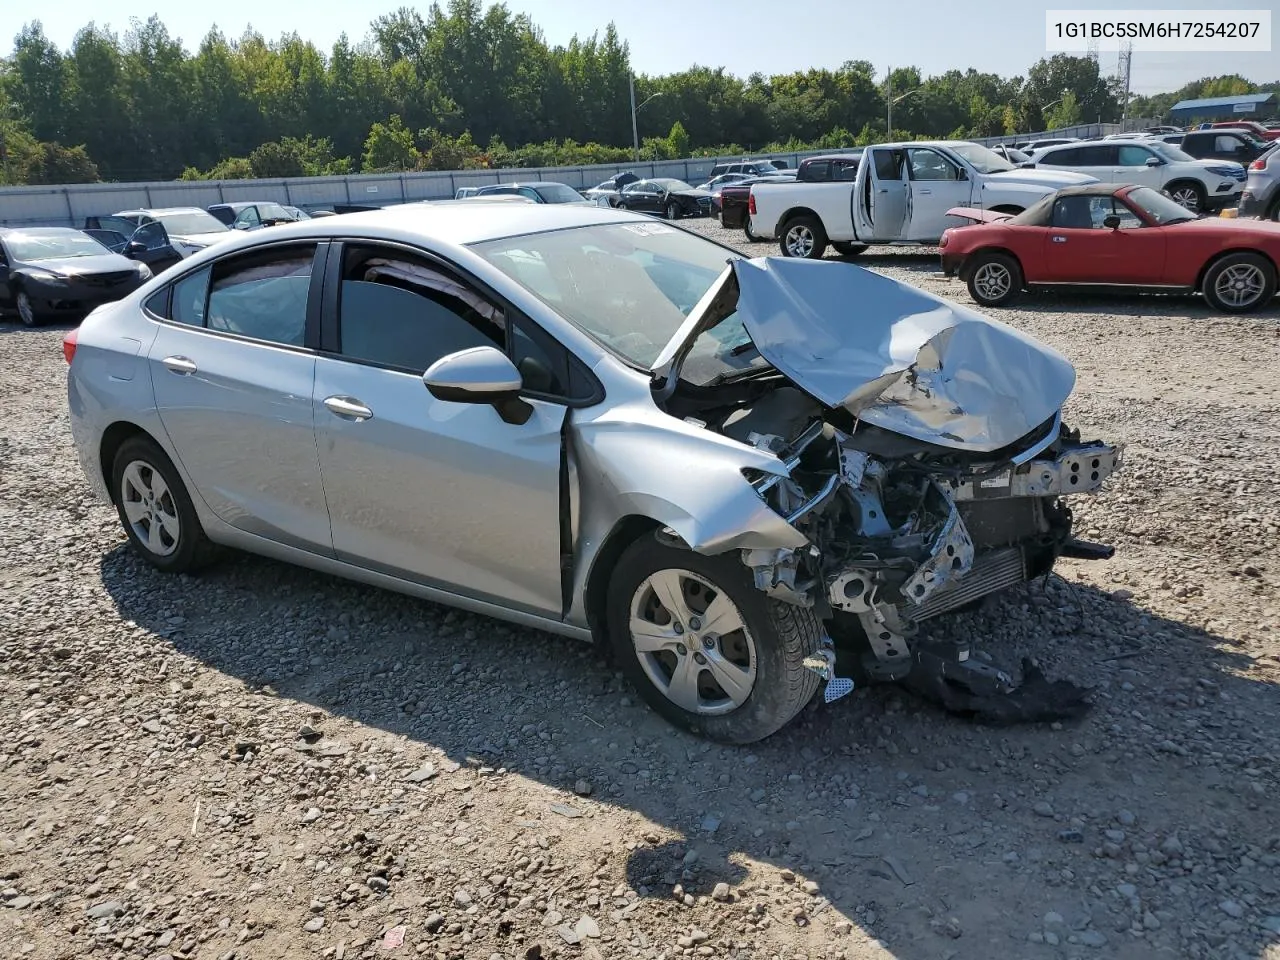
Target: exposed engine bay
901	531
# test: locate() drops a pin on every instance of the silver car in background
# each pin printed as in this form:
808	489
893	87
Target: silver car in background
595	424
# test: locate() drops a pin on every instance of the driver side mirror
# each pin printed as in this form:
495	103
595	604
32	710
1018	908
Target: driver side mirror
1154	161
480	375
135	247
963	174
1111	222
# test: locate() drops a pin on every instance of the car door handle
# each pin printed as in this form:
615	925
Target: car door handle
926	191
180	365
1059	239
348	408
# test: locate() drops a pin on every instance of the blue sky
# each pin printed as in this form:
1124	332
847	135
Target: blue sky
772	36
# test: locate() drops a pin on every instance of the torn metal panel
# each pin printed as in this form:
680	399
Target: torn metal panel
891	354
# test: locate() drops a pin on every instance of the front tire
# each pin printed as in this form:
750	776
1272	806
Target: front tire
155	509
26	310
803	238
1188	194
706	650
673	211
1239	283
994	279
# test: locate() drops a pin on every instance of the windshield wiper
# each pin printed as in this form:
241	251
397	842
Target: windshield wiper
742	348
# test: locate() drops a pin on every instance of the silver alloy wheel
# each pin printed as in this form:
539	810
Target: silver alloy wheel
1240	285
148	504
1187	197
800	241
692	643
993	281
25	311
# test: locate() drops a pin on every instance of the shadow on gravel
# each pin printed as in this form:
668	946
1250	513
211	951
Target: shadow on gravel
939	837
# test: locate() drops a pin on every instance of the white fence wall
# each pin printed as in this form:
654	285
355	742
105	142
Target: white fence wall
68	206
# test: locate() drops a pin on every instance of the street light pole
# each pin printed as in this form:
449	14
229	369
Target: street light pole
635	130
888	99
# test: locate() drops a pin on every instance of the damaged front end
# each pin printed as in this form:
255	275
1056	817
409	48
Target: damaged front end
924	461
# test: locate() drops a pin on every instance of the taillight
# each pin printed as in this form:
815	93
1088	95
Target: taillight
1258	164
751	204
69	345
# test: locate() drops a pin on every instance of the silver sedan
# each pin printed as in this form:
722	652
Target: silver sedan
591	423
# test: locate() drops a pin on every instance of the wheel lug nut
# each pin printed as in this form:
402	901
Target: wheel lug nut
678	628
699	658
682	649
695	623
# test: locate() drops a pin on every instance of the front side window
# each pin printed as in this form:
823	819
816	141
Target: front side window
930	165
248	217
1079	212
1131	156
262	295
152	235
401	312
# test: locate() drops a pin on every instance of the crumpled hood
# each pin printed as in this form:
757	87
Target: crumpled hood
897	357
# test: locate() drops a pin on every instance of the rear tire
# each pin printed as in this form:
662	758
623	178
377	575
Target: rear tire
750	234
994	279
1239	283
803	237
155	509
847	249
760	653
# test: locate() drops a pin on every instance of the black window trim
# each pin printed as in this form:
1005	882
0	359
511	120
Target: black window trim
311	328
329	334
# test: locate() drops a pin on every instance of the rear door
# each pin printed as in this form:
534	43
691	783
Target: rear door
880	195
1095	160
233	367
442	493
937	184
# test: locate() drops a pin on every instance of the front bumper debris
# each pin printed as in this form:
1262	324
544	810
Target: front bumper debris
945	674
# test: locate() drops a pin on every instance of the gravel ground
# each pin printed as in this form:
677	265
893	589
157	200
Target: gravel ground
265	762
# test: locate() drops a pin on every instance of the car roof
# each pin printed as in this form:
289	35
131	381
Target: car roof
455	222
857	155
156	211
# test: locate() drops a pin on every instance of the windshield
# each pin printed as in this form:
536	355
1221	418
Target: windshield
980	158
628	285
1169	151
188	224
671	185
1160	208
557	193
30	247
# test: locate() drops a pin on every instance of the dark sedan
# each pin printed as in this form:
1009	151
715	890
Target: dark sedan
248	215
51	272
611	189
539	191
669	197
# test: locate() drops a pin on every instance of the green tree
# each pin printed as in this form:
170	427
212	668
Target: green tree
1065	114
54	163
390	146
678	138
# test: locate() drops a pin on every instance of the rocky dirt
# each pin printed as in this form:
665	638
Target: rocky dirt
265	762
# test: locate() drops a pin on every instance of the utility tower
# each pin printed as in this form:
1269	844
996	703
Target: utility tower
1093	52
1124	73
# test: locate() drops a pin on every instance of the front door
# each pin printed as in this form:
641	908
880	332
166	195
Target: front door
644	196
156	251
937	184
881	195
1137	164
443	493
1080	248
232	374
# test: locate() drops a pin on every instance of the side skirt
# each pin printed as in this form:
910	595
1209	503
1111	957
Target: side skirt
231	537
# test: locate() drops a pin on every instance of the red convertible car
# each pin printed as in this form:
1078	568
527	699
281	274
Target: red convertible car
1104	235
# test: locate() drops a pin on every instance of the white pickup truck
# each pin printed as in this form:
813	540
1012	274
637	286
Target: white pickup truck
901	194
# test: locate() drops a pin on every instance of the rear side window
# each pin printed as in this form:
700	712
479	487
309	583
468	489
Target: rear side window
262	295
1134	156
190	294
